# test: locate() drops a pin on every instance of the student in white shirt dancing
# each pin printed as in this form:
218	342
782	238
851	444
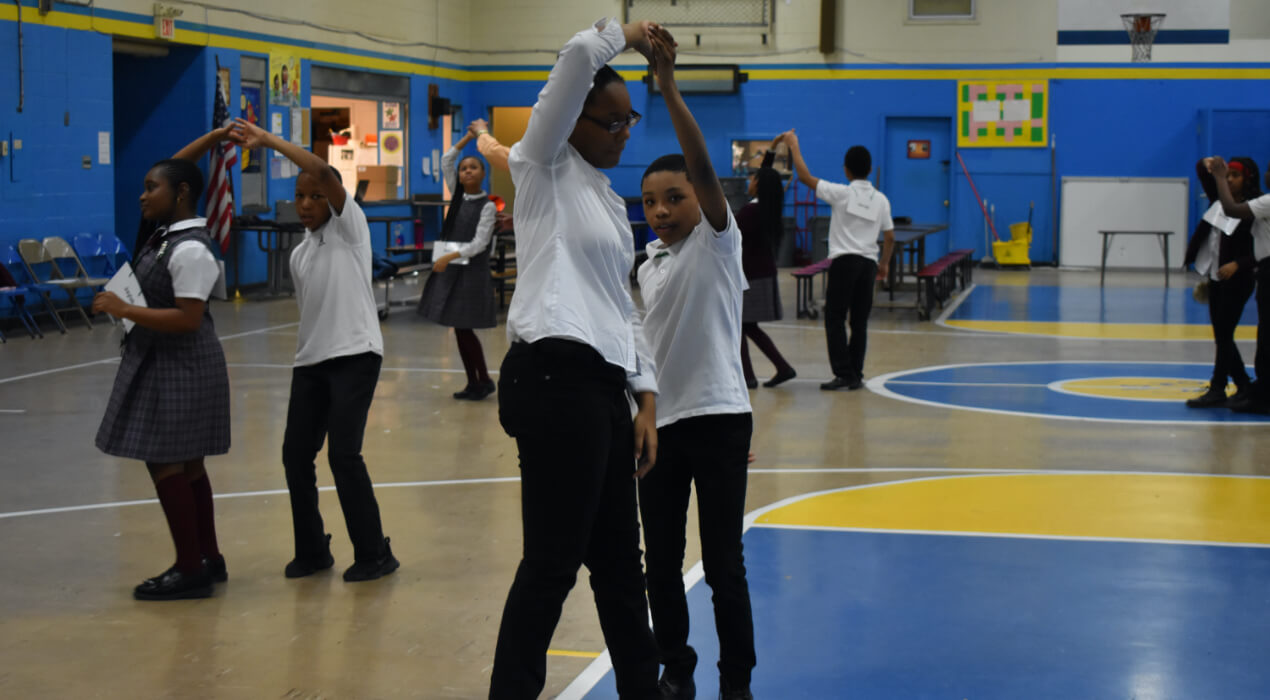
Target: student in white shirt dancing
337	361
576	348
859	214
692	285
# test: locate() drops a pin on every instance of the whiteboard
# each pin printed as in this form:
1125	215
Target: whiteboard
1093	204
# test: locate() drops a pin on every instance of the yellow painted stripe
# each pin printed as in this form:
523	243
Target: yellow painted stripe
1106	331
145	30
575	654
1120	506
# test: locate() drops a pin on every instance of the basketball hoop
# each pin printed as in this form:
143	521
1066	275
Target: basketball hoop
1142	27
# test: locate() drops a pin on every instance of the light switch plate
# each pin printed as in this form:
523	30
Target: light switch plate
17	144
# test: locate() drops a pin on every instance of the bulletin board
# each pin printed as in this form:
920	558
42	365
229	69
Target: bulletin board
1002	114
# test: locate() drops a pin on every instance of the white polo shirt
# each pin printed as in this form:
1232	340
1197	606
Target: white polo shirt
692	301
331	271
1261	226
858	216
192	266
574	247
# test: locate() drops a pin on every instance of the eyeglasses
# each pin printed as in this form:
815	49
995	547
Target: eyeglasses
613	127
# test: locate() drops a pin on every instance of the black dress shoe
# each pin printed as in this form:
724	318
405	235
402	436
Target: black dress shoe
174	585
466	393
1242	394
781	377
482	390
374	568
307	565
751	383
216	569
841	383
1209	399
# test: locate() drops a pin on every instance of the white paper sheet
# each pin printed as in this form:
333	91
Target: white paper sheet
1216	217
441	248
126	286
103	148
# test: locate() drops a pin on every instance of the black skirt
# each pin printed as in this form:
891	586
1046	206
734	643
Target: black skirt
761	302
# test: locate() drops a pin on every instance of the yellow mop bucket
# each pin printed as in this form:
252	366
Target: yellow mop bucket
1015	250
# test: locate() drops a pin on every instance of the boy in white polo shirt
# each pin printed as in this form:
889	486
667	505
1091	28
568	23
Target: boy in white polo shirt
860	213
692	285
337	360
1258	209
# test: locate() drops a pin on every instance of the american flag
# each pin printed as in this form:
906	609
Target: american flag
220	188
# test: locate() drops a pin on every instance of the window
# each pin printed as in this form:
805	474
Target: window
941	9
360	124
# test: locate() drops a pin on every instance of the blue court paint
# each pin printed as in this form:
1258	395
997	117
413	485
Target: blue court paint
1089	305
878	615
1027	389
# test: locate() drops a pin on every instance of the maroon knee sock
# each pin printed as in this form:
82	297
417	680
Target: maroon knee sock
473	356
745	362
178	505
204	511
465	351
765	344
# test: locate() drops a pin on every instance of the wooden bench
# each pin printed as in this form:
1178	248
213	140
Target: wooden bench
804	278
936	281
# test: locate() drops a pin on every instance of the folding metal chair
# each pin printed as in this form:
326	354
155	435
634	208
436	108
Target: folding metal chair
44	270
15	265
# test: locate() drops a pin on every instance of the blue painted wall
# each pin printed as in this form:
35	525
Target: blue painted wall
1129	128
44	188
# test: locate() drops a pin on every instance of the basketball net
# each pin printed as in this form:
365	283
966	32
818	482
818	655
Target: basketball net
1142	28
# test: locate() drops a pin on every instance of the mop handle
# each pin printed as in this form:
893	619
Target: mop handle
978	199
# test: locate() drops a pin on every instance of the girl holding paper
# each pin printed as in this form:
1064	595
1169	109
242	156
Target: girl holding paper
459	292
1222	251
170	403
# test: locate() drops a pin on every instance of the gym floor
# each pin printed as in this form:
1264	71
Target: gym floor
1017	506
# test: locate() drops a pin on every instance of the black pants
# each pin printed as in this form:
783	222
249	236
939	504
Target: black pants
1262	361
713	452
849	295
1226	301
331	399
567	409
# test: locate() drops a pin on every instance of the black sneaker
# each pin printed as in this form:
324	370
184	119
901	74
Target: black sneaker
751	383
678	688
466	393
1209	399
841	383
1251	405
303	566
374	568
174	585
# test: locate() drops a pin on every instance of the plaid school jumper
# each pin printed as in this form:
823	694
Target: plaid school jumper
170	402
463	295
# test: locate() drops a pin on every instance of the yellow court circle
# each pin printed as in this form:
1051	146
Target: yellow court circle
1181	508
1103	331
1137	388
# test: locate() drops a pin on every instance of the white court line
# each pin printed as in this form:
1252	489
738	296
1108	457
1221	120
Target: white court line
12	410
917	383
957	301
597	669
248	494
820	326
111	360
266	365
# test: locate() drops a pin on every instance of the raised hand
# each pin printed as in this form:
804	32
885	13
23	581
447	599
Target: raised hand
477	126
250	135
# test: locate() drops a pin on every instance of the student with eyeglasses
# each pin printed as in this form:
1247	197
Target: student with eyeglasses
577	348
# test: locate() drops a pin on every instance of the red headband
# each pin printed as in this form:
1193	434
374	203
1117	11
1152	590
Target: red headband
1236	165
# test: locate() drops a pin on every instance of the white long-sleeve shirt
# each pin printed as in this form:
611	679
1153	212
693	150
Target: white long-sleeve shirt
489	213
574	246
